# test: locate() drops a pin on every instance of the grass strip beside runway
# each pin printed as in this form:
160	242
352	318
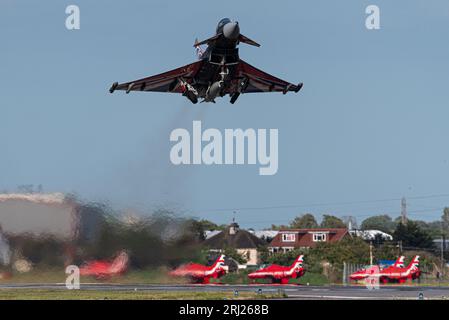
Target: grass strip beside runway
48	294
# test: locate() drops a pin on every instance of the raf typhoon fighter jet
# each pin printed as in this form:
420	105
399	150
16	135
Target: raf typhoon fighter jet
218	72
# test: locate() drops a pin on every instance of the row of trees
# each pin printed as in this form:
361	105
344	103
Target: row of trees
379	222
308	221
386	224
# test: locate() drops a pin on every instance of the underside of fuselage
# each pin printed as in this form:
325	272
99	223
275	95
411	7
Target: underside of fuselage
216	77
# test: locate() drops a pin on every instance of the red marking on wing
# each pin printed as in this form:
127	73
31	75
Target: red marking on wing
260	81
162	82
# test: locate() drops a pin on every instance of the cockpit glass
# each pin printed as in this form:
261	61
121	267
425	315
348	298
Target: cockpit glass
222	23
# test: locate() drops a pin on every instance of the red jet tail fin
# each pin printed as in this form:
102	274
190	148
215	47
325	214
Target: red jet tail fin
296	266
399	262
219	263
298	262
120	263
414	264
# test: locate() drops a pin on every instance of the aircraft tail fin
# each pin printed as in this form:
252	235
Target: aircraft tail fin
296	266
247	40
219	263
120	263
298	262
414	264
399	262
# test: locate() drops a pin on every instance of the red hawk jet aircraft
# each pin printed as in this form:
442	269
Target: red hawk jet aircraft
395	273
106	269
219	71
365	273
199	273
280	274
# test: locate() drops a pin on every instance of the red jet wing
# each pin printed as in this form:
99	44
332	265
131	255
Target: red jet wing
260	81
164	82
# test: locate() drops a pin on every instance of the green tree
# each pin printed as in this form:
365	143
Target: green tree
382	222
386	251
283	258
445	216
332	222
412	236
278	227
199	227
433	228
232	253
305	221
209	225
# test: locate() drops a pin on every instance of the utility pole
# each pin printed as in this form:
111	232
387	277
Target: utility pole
400	247
371	253
404	211
443	243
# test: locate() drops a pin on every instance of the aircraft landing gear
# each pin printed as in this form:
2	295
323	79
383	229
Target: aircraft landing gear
191	96
234	97
242	87
187	90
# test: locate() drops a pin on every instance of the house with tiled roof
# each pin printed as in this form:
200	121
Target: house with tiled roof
290	239
243	241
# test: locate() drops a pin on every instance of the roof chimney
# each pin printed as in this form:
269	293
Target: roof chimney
233	228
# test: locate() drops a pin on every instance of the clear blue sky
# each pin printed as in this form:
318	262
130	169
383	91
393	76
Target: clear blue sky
370	124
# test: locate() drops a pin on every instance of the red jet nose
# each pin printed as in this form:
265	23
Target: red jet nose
231	30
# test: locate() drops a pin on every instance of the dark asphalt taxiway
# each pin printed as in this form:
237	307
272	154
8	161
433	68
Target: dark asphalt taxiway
291	291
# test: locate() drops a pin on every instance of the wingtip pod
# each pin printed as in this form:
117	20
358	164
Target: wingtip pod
299	87
292	87
113	87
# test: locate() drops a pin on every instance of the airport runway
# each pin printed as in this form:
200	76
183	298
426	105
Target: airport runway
292	291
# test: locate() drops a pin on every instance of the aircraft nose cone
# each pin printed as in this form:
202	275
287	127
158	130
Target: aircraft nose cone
231	30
